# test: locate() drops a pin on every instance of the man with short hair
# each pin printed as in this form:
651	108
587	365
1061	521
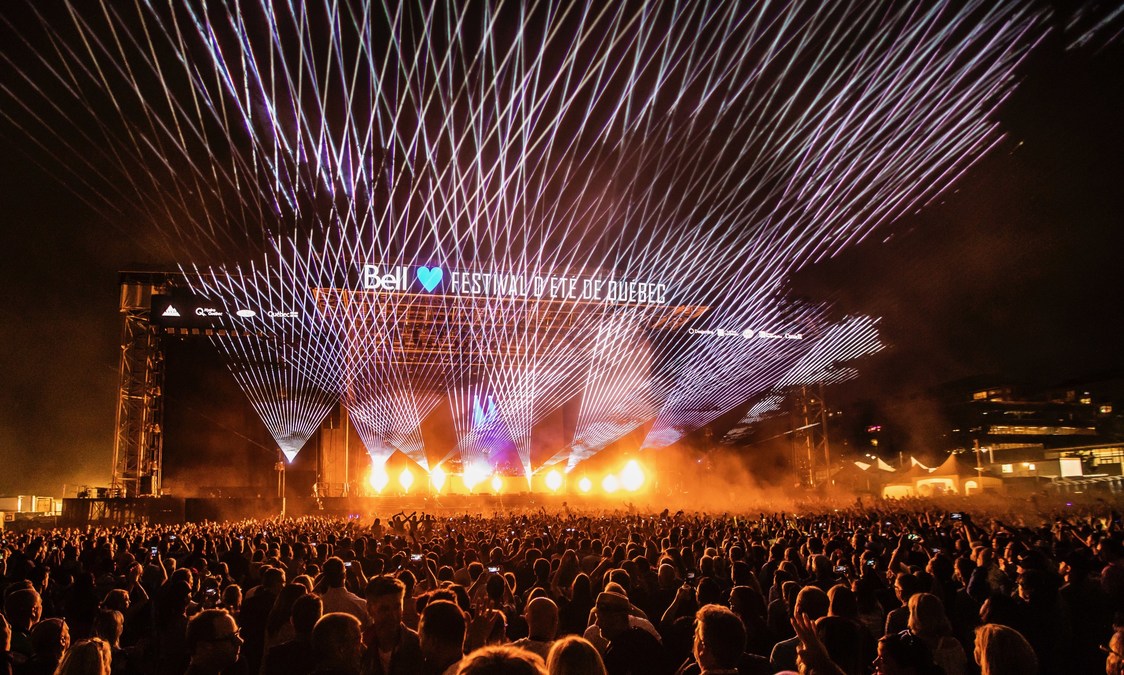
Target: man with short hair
336	597
214	642
811	601
23	607
441	632
392	648
905	587
542	626
719	645
337	644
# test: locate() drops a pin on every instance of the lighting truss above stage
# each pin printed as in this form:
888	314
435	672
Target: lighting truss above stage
426	331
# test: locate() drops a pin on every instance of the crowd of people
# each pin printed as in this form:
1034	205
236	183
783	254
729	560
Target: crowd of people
883	587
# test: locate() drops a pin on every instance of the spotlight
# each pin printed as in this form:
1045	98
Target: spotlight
473	474
378	478
632	477
610	484
406	479
585	485
437	478
554	480
497	483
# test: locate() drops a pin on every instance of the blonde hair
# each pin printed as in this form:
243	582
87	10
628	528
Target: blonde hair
927	618
573	655
1004	651
88	657
502	660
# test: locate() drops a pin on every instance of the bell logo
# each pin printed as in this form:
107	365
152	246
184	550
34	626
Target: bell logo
171	311
374	280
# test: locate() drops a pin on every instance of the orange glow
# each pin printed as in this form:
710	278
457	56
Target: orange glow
554	480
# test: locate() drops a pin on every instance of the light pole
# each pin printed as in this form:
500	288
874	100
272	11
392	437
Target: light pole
279	467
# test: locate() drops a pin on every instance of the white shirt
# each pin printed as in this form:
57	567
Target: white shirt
342	600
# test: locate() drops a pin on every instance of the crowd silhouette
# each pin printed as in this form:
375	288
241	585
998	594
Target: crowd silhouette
882	587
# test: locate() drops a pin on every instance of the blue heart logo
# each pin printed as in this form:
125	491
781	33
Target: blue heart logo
429	277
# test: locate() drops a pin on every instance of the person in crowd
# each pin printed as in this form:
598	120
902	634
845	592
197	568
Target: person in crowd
541	615
811	602
927	620
629	649
1088	609
441	635
22	607
295	656
574	610
905	586
231	600
108	626
845	643
573	655
213	642
88	657
1114	654
5	646
1040	618
50	638
502	660
278	627
335	595
164	649
719	645
254	615
392	648
748	603
1001	650
904	654
337	645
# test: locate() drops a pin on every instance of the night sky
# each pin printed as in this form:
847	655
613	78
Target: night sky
1015	273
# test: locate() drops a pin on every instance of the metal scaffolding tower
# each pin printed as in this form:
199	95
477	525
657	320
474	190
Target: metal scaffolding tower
811	452
139	441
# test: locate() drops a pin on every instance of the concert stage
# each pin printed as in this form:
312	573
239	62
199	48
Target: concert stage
173	510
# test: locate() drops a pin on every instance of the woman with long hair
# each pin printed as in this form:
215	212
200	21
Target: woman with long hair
573	613
573	655
1004	651
88	657
278	628
928	621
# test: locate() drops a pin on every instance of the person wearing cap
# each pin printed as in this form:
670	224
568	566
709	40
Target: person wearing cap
635	620
629	649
